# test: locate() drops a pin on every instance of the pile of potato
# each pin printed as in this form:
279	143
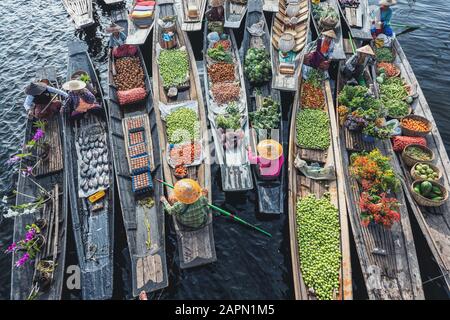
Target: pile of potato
129	73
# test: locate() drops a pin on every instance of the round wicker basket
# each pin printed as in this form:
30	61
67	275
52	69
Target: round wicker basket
421	200
410	161
413	133
435	169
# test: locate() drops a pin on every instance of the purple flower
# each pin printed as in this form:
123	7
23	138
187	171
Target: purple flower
13	160
30	235
27	172
39	134
22	260
11	248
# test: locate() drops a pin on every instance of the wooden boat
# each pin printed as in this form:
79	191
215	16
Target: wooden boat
195	247
270	192
387	256
432	221
234	163
30	280
138	31
93	223
192	12
357	19
286	70
270	5
112	2
80	12
234	13
338	53
144	222
301	186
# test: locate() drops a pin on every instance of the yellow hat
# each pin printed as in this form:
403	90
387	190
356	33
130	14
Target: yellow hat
269	149
366	49
187	191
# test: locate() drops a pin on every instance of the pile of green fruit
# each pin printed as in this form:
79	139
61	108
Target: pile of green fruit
313	129
318	236
173	67
182	126
266	117
424	171
257	66
428	190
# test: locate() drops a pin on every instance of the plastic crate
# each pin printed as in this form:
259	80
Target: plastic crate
142	182
137	150
139	164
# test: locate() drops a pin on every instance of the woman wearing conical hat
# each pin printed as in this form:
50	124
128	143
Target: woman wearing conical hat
383	18
269	159
190	206
354	67
320	58
40	102
80	99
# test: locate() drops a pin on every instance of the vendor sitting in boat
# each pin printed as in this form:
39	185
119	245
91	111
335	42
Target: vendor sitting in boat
216	12
321	56
80	100
117	42
41	100
383	18
270	158
355	66
191	204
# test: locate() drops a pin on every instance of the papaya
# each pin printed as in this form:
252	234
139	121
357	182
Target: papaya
425	188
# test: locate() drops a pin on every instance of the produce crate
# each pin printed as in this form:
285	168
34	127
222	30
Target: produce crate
137	150
136	137
142	183
135	125
139	164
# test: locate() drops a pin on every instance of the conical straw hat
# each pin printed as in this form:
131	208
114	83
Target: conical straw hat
366	49
387	2
187	191
269	149
330	33
74	85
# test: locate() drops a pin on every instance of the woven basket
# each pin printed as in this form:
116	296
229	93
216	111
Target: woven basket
435	169
413	133
425	202
411	161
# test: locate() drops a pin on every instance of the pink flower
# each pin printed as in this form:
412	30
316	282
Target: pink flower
22	260
30	235
11	248
27	172
13	160
39	134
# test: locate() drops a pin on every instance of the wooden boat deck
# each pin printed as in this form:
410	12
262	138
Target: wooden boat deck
55	212
191	23
358	20
284	81
234	13
195	247
144	224
338	53
138	36
270	192
80	12
93	230
434	222
301	186
270	5
387	256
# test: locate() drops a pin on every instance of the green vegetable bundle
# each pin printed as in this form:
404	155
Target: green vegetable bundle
182	126
384	54
318	236
231	119
257	66
173	67
266	117
220	54
358	98
313	129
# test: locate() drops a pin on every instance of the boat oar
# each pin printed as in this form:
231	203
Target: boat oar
226	213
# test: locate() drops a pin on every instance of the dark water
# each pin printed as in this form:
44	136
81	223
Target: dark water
249	266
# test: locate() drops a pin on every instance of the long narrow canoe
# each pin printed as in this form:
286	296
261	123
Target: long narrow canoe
143	215
234	13
357	19
93	223
286	73
195	247
191	14
387	256
270	5
301	186
234	163
138	34
112	2
434	222
338	53
48	174
80	12
270	192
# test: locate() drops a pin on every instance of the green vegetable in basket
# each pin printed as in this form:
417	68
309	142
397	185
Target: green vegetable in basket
173	67
257	66
220	54
384	55
425	188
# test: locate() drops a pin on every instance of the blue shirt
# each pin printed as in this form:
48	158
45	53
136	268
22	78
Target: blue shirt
386	16
117	41
29	99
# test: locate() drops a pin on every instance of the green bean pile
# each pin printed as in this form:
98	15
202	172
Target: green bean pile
173	67
318	236
313	129
393	93
182	126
